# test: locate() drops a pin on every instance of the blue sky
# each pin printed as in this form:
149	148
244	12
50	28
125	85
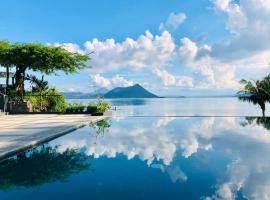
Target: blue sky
176	47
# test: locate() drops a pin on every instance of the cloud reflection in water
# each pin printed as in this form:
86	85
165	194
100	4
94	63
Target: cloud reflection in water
157	141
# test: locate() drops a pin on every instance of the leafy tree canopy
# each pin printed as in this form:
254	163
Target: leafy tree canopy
37	57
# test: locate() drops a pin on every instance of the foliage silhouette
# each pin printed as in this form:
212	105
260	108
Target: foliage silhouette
260	121
41	166
256	92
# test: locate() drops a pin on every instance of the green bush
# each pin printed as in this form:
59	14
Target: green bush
76	107
56	101
50	100
39	103
103	106
91	107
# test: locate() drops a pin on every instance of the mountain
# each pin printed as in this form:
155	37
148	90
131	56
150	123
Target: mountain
76	95
100	91
135	91
81	95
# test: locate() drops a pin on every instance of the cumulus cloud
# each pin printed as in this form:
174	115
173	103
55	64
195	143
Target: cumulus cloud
214	66
214	74
116	81
154	53
101	81
170	80
146	51
174	21
121	81
71	47
248	23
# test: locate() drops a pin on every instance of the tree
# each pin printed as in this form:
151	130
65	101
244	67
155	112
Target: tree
4	47
38	85
256	92
37	57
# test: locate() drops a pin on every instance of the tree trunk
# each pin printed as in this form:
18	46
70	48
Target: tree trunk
7	78
19	80
13	82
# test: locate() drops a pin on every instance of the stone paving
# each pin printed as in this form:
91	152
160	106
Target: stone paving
20	132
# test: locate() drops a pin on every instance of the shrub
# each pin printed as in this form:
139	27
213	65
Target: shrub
39	103
56	101
91	107
103	106
76	107
50	100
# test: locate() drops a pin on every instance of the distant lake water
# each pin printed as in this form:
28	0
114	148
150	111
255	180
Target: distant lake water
204	106
151	149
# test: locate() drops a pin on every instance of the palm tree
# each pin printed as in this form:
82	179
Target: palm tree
256	92
38	85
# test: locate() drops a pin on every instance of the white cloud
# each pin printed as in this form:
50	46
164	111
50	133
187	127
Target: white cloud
101	81
71	47
154	53
146	51
121	81
116	81
248	21
215	66
174	21
214	74
167	78
170	80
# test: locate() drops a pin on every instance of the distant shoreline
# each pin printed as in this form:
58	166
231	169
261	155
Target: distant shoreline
180	97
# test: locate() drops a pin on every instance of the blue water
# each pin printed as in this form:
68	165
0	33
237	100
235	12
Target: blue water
228	106
146	152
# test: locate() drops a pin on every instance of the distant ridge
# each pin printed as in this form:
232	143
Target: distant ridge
135	91
76	95
81	95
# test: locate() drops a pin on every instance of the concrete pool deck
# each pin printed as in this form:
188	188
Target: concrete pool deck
20	132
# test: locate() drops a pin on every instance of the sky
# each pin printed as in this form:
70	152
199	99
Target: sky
171	47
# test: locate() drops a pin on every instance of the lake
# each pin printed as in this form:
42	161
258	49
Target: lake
188	148
227	106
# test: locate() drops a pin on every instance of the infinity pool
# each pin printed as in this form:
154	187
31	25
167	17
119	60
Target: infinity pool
131	157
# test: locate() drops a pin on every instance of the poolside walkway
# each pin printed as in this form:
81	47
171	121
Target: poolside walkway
20	132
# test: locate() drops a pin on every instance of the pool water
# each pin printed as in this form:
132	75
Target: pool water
147	156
